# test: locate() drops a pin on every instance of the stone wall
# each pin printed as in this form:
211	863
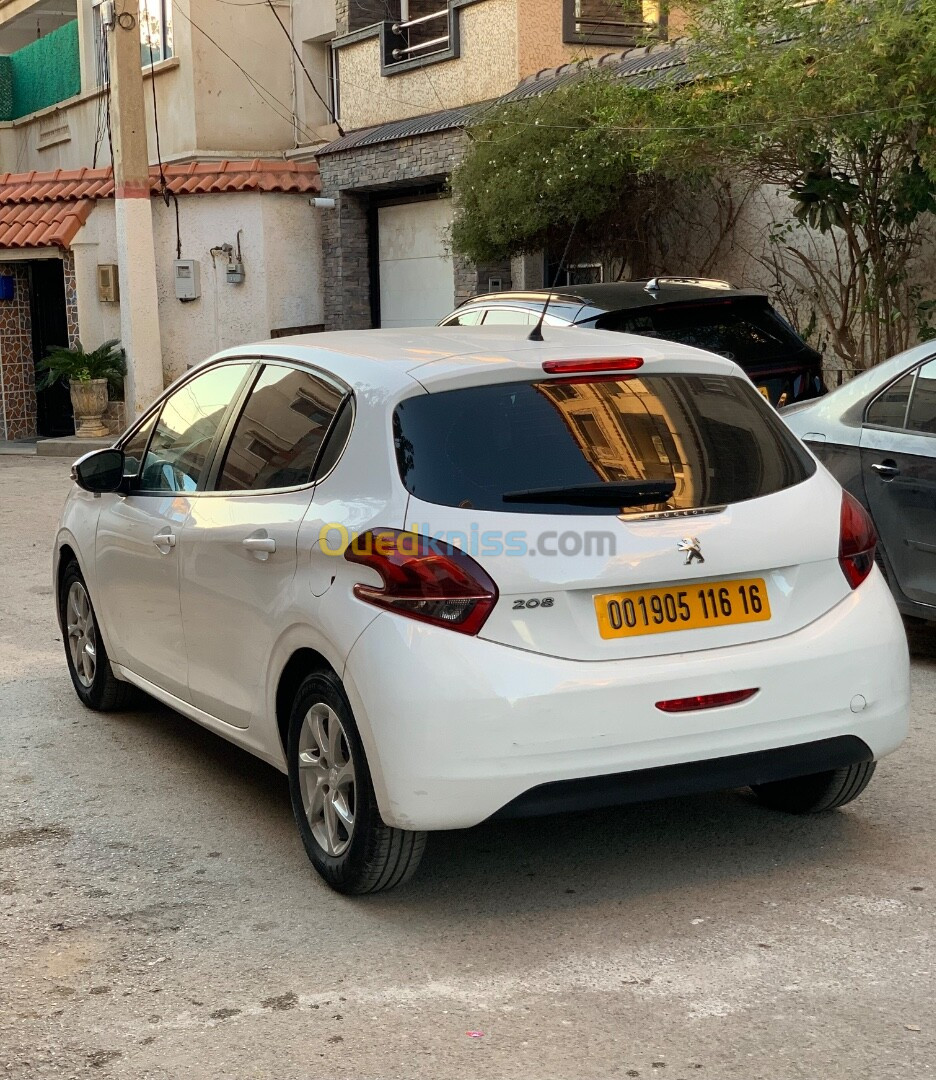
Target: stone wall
17	372
71	298
357	179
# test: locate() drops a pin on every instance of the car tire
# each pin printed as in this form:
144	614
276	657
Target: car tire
333	797
88	663
821	791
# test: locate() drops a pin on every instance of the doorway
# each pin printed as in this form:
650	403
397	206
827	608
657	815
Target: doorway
49	328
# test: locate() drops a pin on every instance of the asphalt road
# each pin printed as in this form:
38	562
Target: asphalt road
158	917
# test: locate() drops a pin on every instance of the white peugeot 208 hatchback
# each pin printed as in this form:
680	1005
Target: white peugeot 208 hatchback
448	574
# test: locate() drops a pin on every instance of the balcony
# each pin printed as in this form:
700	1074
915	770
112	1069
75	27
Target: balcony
45	71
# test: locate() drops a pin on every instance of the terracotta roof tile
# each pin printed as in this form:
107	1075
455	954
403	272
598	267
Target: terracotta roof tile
32	224
46	209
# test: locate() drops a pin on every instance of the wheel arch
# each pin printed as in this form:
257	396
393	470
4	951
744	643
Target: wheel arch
65	553
302	663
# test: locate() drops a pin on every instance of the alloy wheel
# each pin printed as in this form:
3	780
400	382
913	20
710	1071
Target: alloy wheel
82	640
326	778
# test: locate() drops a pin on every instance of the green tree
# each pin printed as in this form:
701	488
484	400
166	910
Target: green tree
832	106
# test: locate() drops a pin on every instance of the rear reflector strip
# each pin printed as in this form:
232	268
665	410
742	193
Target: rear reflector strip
706	701
574	367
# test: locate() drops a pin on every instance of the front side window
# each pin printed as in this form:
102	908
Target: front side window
922	414
135	448
692	440
181	443
280	432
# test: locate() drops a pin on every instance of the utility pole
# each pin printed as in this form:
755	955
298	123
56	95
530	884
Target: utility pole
136	258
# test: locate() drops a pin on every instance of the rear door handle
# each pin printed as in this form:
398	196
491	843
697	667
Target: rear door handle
165	541
886	470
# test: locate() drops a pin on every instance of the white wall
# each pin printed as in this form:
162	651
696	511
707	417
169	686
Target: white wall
281	250
313	27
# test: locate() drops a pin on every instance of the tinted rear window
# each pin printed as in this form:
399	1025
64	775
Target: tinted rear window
746	333
710	434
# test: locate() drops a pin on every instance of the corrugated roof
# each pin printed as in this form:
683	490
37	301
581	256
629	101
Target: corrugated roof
444	120
645	67
46	209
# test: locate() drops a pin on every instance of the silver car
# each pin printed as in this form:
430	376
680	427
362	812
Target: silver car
877	436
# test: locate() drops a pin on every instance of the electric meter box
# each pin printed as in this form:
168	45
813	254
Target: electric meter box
187	279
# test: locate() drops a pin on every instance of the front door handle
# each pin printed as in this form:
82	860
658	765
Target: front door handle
886	470
261	546
165	541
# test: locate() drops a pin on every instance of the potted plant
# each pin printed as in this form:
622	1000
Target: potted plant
89	376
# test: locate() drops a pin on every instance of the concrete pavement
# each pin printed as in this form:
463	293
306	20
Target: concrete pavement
158	917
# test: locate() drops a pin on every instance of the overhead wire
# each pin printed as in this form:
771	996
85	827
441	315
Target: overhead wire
292	44
266	96
168	196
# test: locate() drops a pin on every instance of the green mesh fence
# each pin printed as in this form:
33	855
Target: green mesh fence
6	88
42	73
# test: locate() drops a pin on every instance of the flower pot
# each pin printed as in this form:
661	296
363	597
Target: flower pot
89	400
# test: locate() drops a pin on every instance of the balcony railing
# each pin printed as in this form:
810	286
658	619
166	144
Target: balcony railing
593	22
425	38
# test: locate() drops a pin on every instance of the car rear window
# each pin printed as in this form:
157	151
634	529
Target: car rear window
711	435
746	333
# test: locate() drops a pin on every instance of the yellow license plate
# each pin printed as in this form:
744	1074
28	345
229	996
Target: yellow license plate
656	611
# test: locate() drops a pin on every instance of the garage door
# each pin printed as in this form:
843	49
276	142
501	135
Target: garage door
417	283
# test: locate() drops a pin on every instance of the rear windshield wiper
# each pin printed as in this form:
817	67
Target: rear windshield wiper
618	493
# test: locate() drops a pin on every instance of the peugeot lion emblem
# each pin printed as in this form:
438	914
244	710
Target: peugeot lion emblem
693	549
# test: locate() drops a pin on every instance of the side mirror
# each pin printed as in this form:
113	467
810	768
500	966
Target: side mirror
100	471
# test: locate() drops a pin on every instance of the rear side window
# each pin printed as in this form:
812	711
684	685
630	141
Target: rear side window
889	409
922	415
465	318
509	317
712	436
280	431
745	333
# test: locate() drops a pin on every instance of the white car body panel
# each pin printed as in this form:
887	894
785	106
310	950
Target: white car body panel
800	567
455	726
512	720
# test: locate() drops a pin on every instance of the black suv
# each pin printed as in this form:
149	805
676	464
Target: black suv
737	323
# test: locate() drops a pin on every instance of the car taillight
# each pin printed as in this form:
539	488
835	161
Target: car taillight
424	579
857	541
706	701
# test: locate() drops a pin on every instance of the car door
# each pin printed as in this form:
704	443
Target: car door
239	541
898	461
138	534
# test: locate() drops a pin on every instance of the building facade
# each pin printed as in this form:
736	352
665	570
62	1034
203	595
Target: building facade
230	117
410	76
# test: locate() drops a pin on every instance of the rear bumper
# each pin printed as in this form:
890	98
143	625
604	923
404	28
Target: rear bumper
688	777
457	728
